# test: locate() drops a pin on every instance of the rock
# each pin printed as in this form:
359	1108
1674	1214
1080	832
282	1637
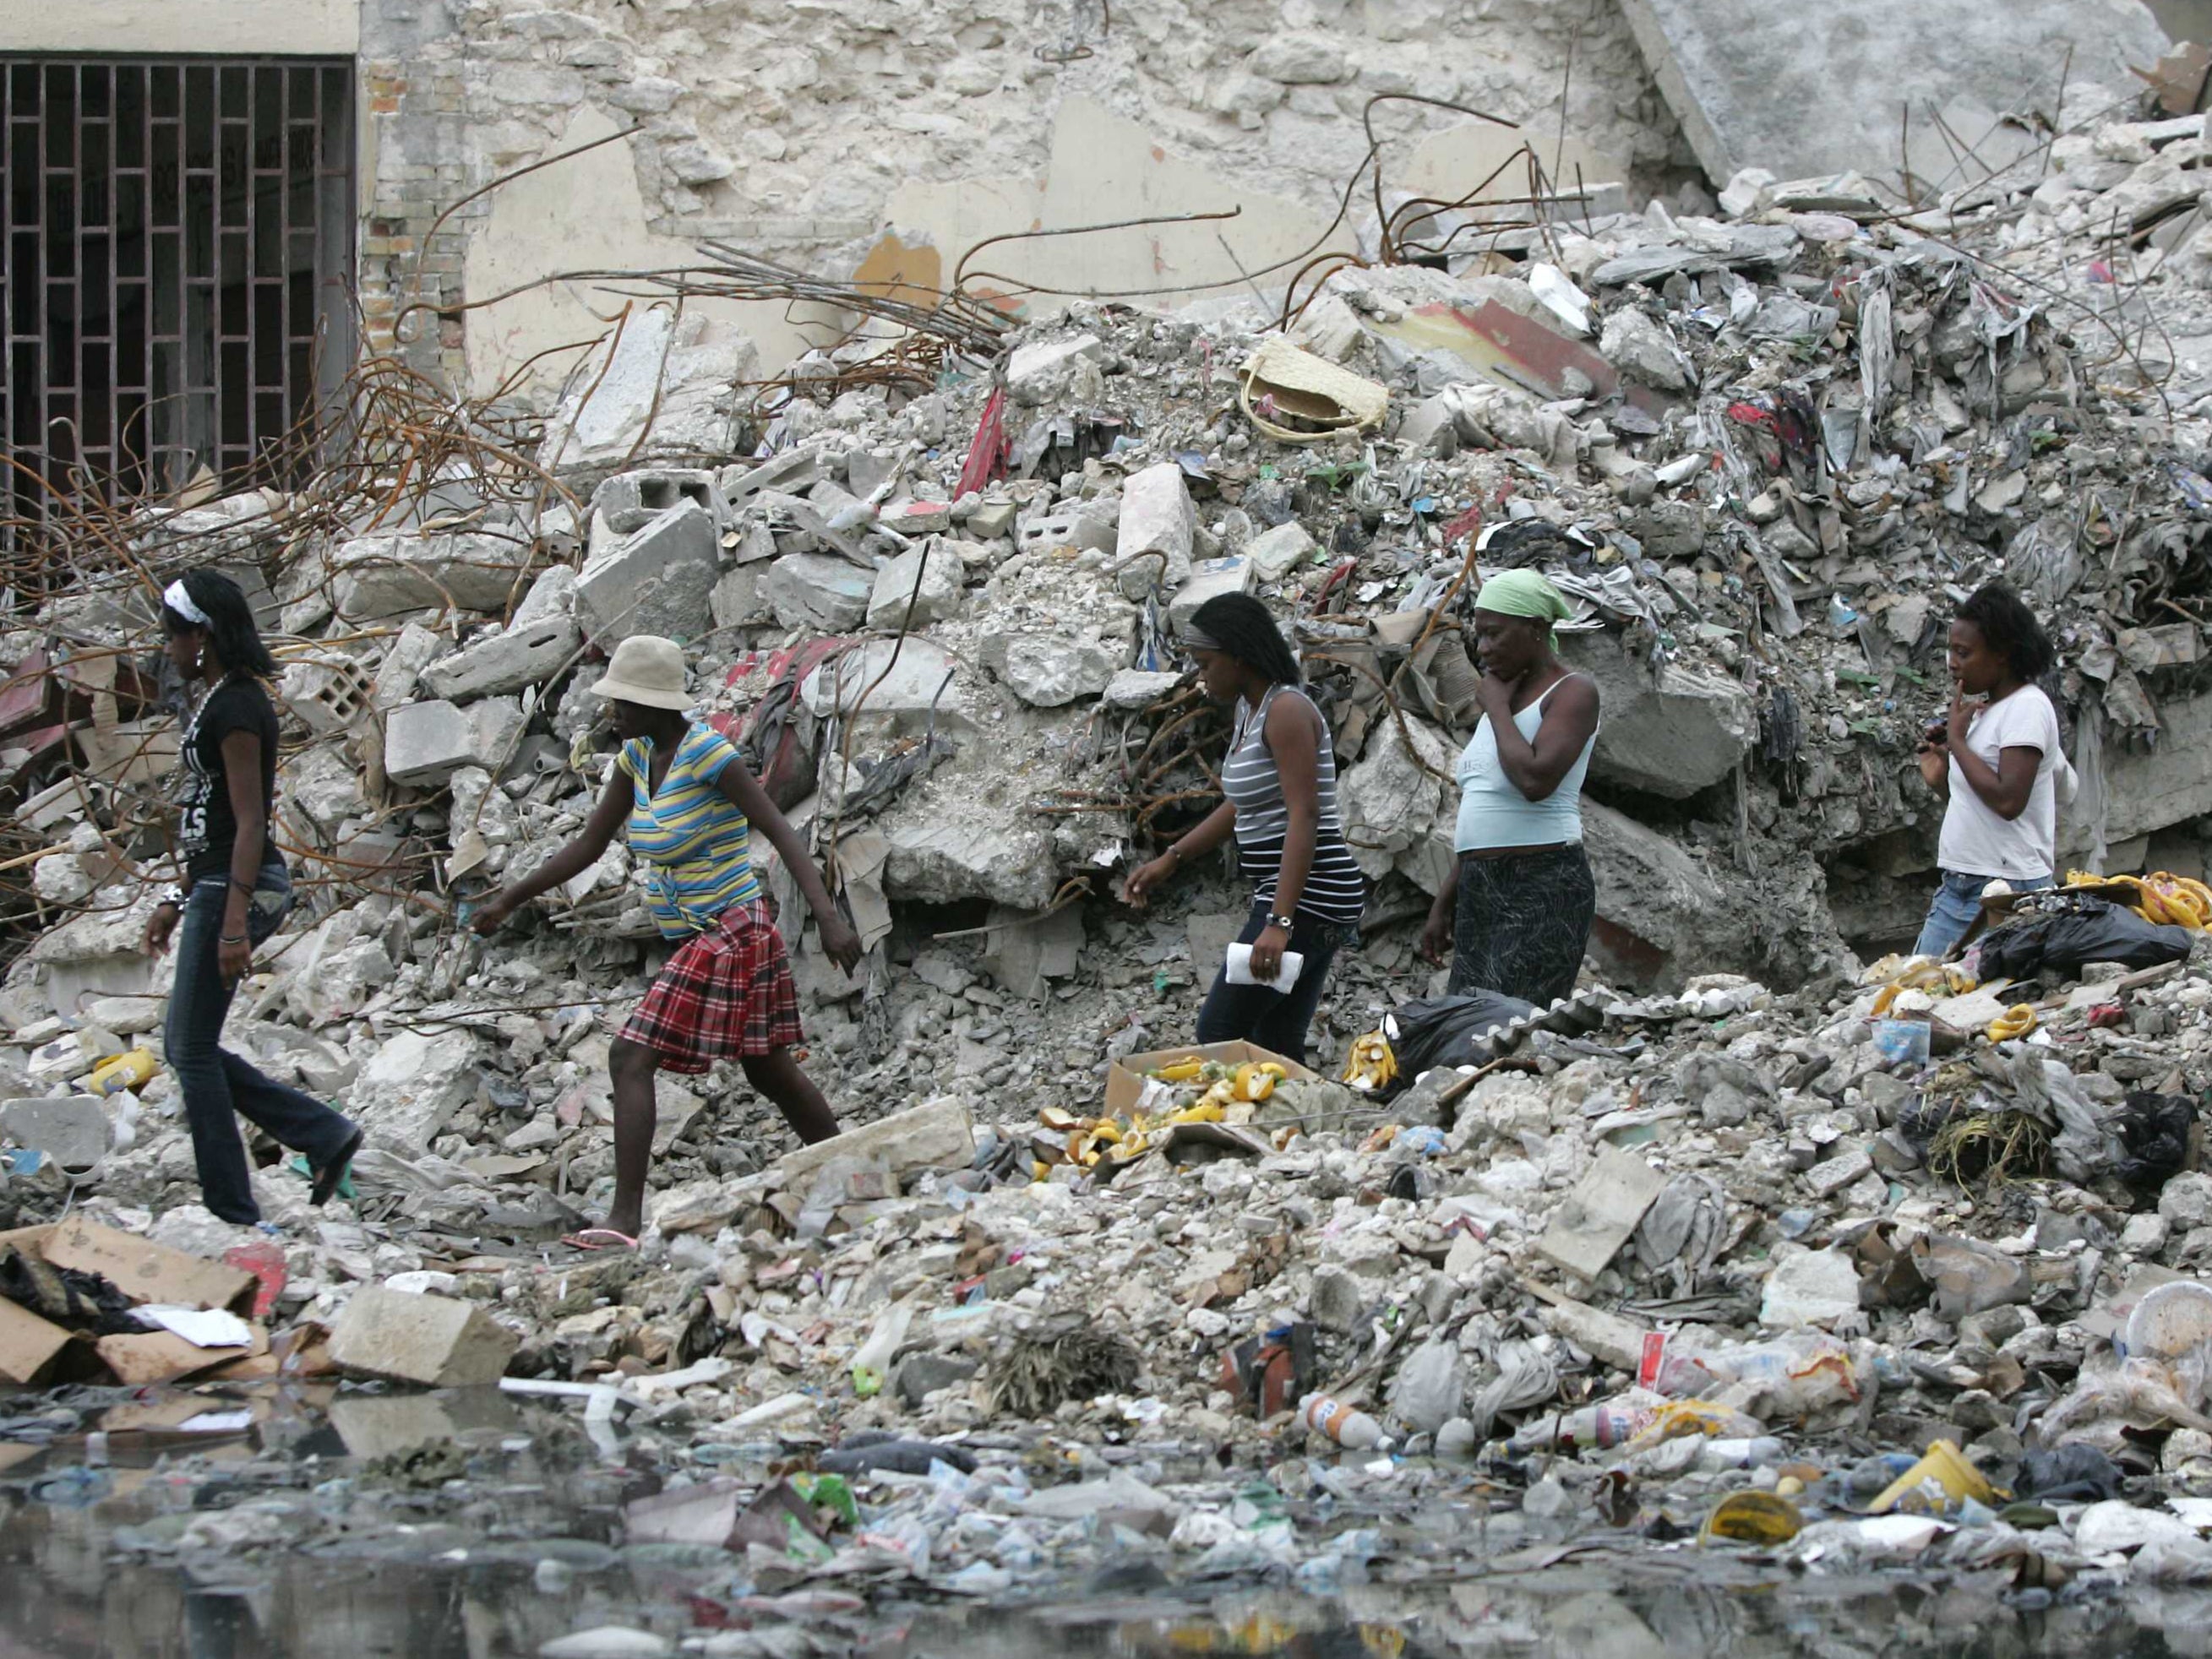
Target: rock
935	1135
1299	60
1138	688
1337	1300
1159	526
410	1087
432	1341
524	655
1046	671
607	1642
815	591
920	1375
943	578
1275	553
656	581
1826	1180
2186	1201
72	1130
425	741
1644	351
1671	530
1037	372
1815	1287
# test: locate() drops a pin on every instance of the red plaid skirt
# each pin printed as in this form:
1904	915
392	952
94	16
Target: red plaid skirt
728	991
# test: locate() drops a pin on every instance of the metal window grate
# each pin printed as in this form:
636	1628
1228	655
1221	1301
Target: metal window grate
174	279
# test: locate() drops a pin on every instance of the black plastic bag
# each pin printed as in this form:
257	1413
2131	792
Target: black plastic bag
2072	1473
2155	1130
1448	1030
2083	930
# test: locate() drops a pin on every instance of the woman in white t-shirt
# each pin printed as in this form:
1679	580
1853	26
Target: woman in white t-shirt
1997	761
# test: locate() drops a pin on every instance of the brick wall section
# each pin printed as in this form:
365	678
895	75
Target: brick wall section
421	154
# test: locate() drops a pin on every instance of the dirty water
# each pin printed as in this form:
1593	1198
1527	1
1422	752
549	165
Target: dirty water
502	1540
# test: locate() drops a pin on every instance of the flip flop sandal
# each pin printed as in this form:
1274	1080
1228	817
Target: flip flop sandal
332	1176
600	1238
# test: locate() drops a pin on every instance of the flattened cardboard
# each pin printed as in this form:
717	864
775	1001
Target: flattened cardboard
147	1271
28	1343
1125	1083
158	1357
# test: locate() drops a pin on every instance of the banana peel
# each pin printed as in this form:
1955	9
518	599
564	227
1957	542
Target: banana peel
2016	1021
1183	1070
1371	1064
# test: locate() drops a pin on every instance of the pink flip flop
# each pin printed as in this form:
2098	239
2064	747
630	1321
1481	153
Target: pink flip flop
600	1238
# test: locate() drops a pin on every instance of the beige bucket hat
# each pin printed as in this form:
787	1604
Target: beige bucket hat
648	670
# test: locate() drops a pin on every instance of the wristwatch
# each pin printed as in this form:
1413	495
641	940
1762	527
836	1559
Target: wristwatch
177	895
1284	922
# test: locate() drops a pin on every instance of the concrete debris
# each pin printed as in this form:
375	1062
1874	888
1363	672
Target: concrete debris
1717	1222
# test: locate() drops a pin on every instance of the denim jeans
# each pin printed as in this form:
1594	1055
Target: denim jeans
215	1083
1957	903
1276	1020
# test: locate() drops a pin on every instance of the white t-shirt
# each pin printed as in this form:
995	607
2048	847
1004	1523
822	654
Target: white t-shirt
1976	841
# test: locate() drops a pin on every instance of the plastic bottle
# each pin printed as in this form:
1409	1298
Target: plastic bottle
1340	1423
1792	1375
133	1070
1600	1426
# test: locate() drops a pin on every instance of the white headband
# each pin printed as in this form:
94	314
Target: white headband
179	601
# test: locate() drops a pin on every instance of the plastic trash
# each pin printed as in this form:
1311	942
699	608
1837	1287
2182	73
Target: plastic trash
1355	1430
1902	1041
871	1363
894	1457
1751	1517
1450	1030
1944	1467
134	1070
1790	1376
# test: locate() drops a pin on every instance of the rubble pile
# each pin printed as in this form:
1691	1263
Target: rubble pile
1742	1220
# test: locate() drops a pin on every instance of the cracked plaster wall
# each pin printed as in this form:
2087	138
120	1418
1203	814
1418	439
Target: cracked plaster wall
807	129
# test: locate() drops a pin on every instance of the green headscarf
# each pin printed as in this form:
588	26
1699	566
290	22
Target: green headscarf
1524	593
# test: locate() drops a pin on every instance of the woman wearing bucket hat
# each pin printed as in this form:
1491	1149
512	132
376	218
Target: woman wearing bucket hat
1516	909
691	806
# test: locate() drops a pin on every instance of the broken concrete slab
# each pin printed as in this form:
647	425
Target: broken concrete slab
818	591
1025	953
1740	84
411	1086
659	387
1157	528
1085	527
435	1341
1275	553
941	577
630	501
1600	1212
937	1135
1210	579
1038	371
376	577
1672	734
655	581
887	682
72	1130
427	741
1048	670
524	655
1138	688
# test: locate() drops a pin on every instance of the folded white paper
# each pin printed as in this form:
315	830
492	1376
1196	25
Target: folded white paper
1286	975
204	1327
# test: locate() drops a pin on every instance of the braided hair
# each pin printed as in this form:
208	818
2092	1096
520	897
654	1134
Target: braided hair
1242	629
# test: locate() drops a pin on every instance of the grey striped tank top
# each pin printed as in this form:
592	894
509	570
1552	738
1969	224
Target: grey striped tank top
1335	890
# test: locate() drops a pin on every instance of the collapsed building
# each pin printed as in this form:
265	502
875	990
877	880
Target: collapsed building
928	529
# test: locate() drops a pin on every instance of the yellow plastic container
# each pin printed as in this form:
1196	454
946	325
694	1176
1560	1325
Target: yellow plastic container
1947	1466
1751	1517
134	1070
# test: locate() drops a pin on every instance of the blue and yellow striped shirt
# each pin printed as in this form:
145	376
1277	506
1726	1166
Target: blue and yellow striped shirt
697	847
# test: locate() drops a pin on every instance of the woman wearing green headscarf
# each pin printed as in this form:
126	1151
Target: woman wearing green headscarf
1517	912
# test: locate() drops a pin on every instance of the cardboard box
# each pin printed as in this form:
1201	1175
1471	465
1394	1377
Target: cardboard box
1125	1083
146	1272
28	1343
159	1357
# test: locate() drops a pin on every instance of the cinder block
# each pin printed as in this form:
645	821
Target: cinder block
432	1341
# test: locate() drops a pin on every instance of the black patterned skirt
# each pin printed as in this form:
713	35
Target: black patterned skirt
1521	923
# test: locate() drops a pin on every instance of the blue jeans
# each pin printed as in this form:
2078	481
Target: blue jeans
1276	1020
1957	903
217	1083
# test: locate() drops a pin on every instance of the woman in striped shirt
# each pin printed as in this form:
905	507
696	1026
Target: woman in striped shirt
691	805
1279	776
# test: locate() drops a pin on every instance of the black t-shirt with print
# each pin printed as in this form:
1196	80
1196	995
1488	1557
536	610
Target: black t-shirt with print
207	829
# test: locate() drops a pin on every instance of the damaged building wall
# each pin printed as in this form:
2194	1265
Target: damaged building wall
822	135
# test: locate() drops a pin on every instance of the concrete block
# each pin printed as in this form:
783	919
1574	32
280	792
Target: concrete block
1083	525
655	581
327	693
411	1087
735	600
630	501
1038	372
1824	96
991	520
815	591
1157	518
1275	553
71	1129
942	577
789	473
1138	688
1209	581
1049	670
427	741
432	1341
525	655
379	576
